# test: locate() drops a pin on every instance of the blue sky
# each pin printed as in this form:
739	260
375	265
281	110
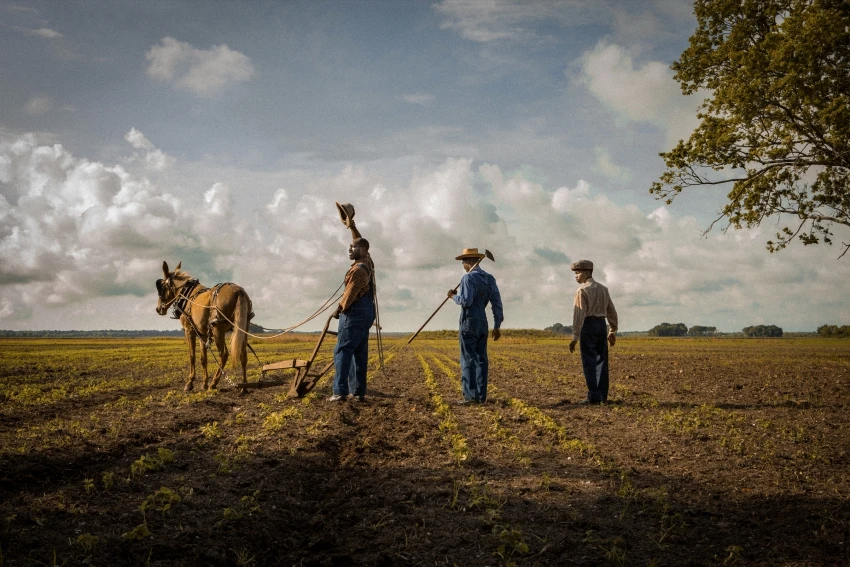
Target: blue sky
220	135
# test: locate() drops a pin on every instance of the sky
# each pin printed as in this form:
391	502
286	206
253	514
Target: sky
220	134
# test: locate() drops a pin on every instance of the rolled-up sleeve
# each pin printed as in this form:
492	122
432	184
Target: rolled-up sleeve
611	315
579	311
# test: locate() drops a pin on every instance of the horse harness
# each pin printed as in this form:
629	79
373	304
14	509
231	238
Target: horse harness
190	290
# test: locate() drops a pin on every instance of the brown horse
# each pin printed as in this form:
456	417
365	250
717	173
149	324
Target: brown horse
207	314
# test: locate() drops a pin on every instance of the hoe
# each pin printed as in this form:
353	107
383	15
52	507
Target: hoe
488	255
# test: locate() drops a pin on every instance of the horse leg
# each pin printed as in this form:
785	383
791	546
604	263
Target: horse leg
222	351
190	342
244	360
204	365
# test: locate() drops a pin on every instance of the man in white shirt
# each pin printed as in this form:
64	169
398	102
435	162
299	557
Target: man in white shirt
591	307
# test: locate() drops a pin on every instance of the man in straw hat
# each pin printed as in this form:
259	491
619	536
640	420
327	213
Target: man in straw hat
476	290
591	307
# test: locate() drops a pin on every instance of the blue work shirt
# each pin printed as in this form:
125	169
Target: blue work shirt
477	288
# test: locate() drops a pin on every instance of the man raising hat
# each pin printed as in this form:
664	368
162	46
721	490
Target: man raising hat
476	290
356	312
591	307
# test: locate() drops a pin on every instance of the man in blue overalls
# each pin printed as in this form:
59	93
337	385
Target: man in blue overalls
476	290
356	313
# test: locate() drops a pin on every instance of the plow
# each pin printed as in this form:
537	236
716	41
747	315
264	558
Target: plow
306	374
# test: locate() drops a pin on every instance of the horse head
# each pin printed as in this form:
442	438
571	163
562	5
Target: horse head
168	288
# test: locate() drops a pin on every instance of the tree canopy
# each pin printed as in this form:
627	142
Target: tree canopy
560	329
669	330
763	331
702	331
776	124
834	331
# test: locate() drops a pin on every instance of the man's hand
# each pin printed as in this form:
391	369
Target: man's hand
452	293
337	311
496	334
573	346
612	339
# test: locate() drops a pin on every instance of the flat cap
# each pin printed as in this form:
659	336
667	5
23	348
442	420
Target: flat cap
581	265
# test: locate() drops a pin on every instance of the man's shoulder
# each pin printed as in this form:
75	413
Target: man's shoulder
359	267
480	275
363	266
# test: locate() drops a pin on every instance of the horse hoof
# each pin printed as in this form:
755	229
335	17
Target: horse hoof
188	388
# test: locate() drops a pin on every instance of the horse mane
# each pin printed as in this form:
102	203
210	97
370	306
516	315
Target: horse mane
180	277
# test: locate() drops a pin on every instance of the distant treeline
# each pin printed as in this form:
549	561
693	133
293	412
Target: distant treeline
560	329
682	330
763	331
834	331
117	334
95	334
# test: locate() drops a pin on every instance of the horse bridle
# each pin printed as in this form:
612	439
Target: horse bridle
181	296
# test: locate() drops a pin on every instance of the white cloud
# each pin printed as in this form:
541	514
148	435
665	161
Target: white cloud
645	93
203	72
418	98
138	140
68	226
38	105
606	166
46	33
506	20
154	158
75	233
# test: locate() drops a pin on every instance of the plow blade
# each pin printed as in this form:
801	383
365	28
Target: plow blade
306	381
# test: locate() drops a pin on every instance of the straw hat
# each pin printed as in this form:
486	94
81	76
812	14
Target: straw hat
346	213
470	253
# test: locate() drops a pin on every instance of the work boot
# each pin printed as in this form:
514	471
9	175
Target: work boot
337	398
357	398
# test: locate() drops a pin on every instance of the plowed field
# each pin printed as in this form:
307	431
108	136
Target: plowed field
711	452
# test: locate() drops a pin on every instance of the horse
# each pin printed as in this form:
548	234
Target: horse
207	314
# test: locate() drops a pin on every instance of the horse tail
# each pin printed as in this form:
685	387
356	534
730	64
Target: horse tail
238	338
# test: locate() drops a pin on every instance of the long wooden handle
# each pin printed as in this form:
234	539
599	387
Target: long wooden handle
410	340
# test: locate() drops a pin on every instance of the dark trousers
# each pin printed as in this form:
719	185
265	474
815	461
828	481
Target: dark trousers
474	365
594	357
351	353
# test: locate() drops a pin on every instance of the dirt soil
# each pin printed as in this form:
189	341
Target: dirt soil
710	452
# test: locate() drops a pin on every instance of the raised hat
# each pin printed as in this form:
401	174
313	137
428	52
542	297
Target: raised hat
346	212
470	253
581	265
